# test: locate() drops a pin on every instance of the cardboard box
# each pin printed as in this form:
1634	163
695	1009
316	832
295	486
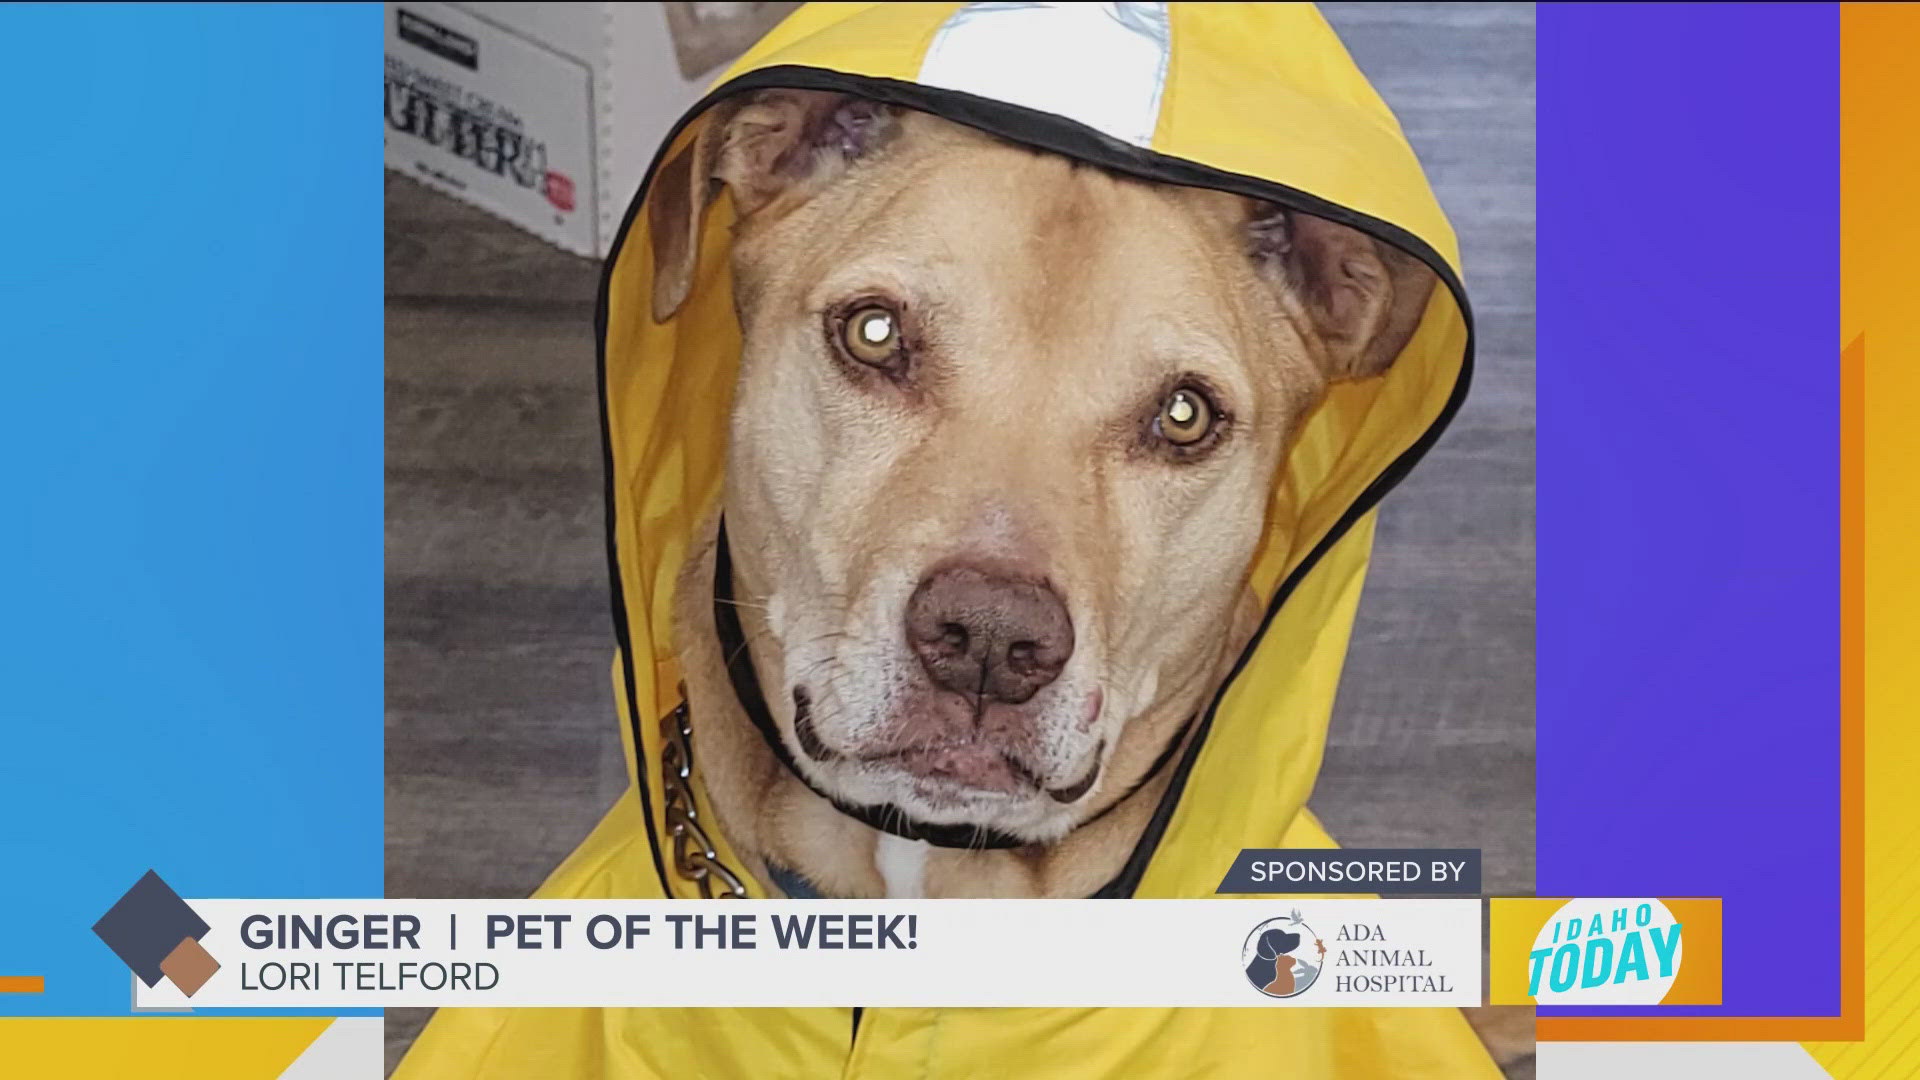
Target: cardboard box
547	114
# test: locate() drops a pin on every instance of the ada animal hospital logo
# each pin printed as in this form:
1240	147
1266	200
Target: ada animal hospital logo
1606	952
1283	957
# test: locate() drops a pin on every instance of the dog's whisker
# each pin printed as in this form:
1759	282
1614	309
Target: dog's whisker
748	604
735	654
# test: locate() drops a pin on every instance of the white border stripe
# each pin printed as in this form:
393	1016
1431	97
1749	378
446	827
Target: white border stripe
1675	1061
1103	65
351	1048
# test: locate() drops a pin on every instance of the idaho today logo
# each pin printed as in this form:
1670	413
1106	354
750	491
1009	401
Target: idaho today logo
1606	952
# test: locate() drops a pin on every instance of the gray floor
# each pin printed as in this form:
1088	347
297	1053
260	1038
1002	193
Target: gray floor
501	747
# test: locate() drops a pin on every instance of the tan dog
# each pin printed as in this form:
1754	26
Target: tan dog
1002	446
1001	450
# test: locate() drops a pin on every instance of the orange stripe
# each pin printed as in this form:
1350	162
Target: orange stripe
1880	228
1853	687
22	984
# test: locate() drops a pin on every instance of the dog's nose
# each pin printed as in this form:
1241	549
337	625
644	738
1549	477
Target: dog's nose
986	634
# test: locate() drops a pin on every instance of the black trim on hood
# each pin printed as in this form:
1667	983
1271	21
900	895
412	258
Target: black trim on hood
622	633
1045	131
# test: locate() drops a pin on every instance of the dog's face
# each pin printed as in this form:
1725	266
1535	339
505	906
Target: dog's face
1003	441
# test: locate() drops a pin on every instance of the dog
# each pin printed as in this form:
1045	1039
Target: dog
1000	456
1272	966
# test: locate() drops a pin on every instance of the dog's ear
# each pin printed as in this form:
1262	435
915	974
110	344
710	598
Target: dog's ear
759	146
1364	298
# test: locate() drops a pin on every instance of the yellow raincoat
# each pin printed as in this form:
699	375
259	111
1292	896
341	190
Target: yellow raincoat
1258	99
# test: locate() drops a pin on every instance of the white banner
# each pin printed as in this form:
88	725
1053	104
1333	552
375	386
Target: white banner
529	953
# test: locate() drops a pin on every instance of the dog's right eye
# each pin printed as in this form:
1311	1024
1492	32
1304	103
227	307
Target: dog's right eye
1188	421
870	334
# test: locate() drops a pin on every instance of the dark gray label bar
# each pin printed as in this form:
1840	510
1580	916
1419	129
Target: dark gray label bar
1355	870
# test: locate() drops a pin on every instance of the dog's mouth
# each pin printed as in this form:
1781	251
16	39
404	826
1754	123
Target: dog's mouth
973	765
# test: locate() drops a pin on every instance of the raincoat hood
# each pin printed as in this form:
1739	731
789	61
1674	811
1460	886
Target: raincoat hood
1259	100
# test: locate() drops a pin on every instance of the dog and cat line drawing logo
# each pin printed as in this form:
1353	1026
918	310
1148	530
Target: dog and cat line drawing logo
157	935
1283	956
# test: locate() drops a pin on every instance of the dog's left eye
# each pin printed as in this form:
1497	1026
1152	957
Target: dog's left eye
871	335
1186	418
